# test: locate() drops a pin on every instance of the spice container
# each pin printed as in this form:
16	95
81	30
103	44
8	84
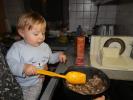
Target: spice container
80	50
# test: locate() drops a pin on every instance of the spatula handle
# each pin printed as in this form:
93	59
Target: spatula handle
49	73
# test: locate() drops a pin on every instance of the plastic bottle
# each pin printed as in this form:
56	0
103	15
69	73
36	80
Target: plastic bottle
79	30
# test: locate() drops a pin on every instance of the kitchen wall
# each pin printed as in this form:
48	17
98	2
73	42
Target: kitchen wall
124	17
53	11
81	12
86	14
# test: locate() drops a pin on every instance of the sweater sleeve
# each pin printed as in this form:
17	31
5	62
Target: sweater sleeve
54	57
13	60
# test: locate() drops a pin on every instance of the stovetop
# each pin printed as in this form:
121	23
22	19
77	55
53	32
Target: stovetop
119	90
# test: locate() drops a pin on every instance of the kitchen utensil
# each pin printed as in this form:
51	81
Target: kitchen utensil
73	77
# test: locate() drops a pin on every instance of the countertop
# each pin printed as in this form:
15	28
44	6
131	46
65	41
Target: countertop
70	52
119	90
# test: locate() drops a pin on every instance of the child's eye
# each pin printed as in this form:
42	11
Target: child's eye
35	34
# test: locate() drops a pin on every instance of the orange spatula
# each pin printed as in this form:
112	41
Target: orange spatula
73	77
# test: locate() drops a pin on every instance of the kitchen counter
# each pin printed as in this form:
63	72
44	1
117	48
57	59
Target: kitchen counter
48	93
119	90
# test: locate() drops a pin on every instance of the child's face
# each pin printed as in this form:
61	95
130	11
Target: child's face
34	36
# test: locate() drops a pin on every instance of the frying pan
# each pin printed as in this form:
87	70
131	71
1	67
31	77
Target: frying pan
90	72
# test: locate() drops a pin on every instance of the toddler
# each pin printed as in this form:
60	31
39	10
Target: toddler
27	55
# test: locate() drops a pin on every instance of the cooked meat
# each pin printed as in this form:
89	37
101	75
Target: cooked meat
95	85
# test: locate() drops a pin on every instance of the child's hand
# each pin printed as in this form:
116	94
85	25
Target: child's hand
62	57
29	69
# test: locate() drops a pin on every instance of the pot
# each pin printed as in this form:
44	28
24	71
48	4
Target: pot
90	73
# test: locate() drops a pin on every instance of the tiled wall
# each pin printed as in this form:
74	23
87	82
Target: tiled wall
83	12
107	14
124	19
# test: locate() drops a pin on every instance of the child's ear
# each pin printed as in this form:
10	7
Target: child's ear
21	33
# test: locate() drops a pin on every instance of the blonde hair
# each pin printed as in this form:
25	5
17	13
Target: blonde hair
27	20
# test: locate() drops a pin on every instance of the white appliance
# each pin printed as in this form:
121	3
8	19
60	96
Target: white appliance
118	67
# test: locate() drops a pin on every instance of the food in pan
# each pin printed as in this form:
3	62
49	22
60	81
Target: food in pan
94	85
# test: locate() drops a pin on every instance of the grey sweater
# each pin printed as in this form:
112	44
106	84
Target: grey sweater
22	53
